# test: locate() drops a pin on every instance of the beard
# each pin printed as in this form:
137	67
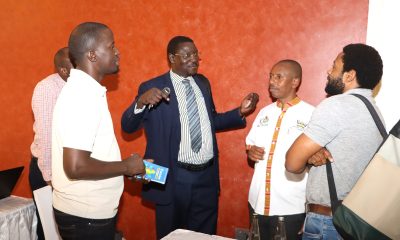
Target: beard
334	86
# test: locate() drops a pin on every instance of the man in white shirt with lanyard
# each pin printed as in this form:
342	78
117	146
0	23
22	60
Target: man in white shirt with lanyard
275	192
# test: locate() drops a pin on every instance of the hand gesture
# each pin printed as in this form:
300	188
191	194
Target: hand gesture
255	153
320	157
153	96
141	177
134	165
248	104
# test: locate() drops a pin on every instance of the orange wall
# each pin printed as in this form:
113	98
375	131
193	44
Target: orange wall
239	40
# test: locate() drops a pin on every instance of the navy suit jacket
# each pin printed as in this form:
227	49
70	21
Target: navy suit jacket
163	131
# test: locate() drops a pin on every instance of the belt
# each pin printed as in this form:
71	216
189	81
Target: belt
196	167
316	208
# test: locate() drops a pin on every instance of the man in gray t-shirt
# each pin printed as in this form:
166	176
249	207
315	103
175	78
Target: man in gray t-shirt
342	129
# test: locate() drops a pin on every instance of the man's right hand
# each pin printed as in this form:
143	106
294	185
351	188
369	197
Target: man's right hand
134	165
151	97
320	158
255	153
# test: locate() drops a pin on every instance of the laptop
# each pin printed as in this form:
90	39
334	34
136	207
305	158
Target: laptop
8	180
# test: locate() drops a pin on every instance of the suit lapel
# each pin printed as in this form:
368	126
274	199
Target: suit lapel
172	110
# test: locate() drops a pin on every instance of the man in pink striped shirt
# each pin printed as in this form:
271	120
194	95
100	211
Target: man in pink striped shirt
43	100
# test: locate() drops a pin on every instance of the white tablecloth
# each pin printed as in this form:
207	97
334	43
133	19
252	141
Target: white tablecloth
181	234
17	219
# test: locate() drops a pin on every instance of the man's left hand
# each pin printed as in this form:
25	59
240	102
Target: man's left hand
248	104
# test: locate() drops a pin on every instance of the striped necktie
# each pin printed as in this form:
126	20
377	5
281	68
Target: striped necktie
193	117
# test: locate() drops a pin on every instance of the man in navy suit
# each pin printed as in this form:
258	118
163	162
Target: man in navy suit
178	114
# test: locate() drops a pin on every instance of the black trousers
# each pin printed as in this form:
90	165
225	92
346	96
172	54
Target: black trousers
194	205
267	225
36	181
76	228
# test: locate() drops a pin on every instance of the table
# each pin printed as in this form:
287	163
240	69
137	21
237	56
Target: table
182	234
18	219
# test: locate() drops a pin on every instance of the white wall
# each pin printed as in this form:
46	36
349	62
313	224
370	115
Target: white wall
383	34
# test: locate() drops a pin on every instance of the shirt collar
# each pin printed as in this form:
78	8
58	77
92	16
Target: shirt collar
177	78
362	91
289	104
77	76
58	80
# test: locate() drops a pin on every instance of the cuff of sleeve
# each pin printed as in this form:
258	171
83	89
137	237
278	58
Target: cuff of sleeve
243	117
139	110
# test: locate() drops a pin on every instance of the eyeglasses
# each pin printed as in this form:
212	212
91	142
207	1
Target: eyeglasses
187	56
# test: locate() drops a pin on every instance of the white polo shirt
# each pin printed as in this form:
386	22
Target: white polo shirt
287	190
82	120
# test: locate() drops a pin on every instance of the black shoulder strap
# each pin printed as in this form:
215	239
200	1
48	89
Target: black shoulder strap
332	188
396	130
331	181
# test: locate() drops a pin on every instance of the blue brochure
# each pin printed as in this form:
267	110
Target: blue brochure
155	173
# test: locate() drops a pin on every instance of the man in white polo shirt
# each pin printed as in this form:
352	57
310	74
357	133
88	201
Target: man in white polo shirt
87	167
274	192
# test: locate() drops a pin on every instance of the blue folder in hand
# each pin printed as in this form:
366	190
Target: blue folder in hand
154	173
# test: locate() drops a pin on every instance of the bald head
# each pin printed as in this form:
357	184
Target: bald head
284	80
83	39
62	63
293	66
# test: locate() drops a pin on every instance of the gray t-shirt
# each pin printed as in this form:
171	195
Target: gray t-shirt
343	125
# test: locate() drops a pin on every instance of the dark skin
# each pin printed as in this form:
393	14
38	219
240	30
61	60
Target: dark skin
283	84
101	60
62	63
304	150
284	81
185	63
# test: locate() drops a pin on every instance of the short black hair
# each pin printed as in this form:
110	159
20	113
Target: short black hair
365	61
175	41
295	67
61	58
83	38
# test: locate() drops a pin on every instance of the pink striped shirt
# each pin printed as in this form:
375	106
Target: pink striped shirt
43	100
